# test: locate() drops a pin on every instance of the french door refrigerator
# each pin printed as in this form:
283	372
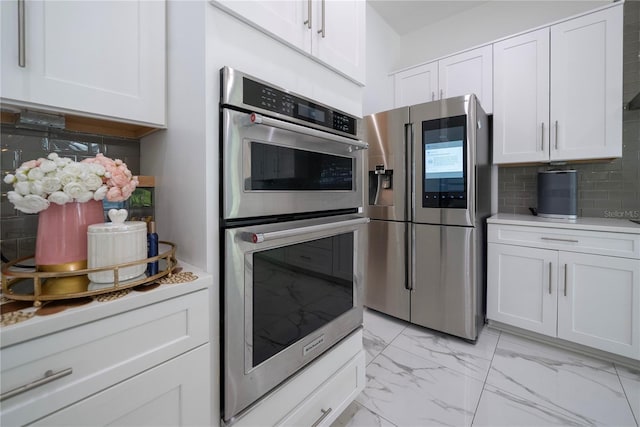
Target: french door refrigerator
430	191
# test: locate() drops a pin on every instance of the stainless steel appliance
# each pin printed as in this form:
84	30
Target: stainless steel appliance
430	190
292	234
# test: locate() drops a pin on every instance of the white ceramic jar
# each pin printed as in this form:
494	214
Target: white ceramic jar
116	242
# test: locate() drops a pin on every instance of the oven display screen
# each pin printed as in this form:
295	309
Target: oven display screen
314	114
298	289
444	163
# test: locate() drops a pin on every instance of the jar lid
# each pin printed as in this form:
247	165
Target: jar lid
117	224
114	227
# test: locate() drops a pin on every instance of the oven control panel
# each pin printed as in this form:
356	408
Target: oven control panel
266	97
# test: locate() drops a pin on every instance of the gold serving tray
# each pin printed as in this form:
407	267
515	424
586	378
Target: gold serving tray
26	284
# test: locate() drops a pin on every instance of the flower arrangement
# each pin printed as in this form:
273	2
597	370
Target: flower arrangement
60	180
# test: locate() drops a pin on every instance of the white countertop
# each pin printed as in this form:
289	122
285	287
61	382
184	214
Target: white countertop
593	224
42	325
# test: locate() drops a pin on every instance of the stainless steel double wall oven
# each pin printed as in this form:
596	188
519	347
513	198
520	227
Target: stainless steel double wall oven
292	234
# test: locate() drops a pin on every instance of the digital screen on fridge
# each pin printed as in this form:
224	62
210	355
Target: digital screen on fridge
444	163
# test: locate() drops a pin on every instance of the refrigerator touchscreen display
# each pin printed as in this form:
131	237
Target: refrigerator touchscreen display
444	159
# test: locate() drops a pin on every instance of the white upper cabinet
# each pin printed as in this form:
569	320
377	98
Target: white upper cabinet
101	59
332	32
586	86
558	91
416	85
461	74
521	98
468	72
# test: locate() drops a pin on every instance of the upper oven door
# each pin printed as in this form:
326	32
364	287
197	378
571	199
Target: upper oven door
273	167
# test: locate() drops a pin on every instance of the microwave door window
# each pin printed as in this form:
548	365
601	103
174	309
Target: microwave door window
298	289
277	168
443	166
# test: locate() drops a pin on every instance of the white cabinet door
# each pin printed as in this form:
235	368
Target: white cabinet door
586	86
521	287
339	34
175	393
521	98
416	85
468	72
285	19
98	58
599	302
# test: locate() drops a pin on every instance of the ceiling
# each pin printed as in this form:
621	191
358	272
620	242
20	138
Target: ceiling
406	16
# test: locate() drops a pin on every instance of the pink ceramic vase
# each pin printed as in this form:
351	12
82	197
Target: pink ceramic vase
62	233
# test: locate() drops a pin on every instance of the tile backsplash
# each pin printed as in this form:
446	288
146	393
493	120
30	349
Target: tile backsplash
605	189
18	230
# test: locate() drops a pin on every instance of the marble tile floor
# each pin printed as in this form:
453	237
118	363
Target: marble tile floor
417	377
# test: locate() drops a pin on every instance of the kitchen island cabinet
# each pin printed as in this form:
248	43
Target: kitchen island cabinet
331	32
100	59
576	281
558	91
143	358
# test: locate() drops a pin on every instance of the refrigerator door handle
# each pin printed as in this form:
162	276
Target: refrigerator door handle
410	238
408	143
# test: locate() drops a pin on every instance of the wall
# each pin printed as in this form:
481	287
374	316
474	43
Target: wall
383	45
18	230
610	189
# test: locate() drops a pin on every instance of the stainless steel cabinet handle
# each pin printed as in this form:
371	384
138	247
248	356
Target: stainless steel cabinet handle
441	94
565	280
322	29
324	415
556	132
22	49
308	21
559	240
293	232
258	119
549	277
433	96
542	136
47	378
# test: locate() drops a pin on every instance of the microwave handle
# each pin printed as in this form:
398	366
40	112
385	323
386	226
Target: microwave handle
353	144
293	232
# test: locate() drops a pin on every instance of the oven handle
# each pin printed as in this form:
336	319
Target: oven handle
259	119
293	232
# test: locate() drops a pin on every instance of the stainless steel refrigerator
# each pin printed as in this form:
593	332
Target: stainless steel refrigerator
430	192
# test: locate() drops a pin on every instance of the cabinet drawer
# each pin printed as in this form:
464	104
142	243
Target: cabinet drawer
99	354
593	242
324	406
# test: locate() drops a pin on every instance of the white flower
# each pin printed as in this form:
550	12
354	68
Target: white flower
21	176
74	169
59	198
65	178
36	188
23	188
96	168
48	166
92	181
28	204
35	174
84	197
74	189
51	184
9	178
100	193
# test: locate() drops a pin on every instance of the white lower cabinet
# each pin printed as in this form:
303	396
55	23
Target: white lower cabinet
144	359
555	282
171	394
318	394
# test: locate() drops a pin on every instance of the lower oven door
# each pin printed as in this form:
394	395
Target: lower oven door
291	291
